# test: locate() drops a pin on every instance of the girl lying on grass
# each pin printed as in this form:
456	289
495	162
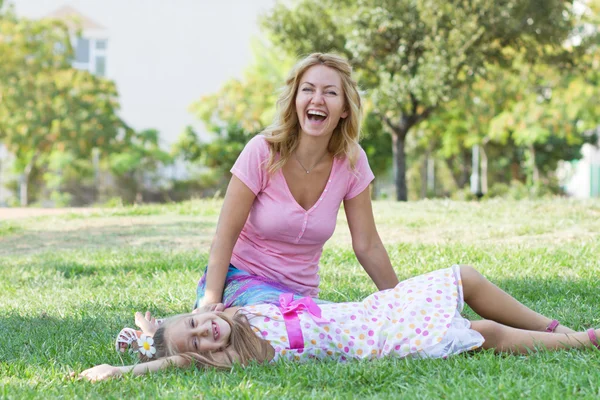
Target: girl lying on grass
420	317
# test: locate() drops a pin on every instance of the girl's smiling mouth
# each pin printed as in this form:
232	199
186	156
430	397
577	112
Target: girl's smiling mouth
216	332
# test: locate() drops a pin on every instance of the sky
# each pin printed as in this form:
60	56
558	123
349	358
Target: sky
166	54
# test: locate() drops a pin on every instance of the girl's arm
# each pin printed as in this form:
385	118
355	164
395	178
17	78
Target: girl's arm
105	371
234	213
366	242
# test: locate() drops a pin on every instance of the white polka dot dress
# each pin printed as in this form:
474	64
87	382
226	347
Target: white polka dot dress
420	317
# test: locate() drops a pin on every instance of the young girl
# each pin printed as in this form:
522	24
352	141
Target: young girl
420	317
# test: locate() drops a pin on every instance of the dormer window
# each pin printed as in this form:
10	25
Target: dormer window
90	48
90	55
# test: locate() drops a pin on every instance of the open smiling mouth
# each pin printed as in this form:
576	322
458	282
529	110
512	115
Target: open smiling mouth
316	116
216	332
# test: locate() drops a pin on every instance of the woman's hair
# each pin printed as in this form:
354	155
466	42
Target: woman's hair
244	345
283	134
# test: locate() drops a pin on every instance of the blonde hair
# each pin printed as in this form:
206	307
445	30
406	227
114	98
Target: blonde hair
282	135
244	345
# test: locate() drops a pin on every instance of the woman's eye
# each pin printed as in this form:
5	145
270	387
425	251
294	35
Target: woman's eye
307	90
332	93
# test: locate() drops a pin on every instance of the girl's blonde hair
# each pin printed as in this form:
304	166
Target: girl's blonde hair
244	345
282	135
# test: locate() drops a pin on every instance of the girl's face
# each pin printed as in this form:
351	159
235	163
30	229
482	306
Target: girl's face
200	332
320	101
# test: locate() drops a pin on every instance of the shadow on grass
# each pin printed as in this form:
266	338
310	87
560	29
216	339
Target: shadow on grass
135	264
173	235
87	338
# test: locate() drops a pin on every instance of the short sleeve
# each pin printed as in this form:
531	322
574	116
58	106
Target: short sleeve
361	177
250	165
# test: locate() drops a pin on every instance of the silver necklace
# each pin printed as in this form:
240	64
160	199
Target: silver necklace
313	167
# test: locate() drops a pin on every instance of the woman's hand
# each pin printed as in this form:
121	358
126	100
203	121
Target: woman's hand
100	373
209	308
147	323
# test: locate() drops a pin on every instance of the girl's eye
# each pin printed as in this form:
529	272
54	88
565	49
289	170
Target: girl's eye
196	344
306	89
332	93
192	322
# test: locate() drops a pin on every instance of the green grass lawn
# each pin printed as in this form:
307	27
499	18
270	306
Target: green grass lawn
70	283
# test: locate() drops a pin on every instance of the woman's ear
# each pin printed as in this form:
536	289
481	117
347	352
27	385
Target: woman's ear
344	114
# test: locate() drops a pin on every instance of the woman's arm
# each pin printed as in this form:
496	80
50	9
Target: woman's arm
234	213
366	242
105	371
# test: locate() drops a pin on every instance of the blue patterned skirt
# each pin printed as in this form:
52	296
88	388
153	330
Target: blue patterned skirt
244	289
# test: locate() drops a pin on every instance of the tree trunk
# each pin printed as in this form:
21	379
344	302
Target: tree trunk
430	175
484	170
24	182
424	177
475	177
23	189
400	156
535	171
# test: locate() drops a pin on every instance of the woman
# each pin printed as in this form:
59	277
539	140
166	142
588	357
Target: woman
287	186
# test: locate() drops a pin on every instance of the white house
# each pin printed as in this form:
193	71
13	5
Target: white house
581	178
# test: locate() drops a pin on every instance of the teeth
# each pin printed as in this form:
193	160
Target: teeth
320	113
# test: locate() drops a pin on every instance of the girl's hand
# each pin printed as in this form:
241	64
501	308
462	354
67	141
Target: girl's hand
147	323
100	373
209	308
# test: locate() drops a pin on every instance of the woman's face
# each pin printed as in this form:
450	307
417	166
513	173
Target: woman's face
320	101
200	332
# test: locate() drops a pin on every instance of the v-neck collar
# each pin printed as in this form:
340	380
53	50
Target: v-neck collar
323	193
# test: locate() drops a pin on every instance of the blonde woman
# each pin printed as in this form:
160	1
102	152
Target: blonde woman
286	190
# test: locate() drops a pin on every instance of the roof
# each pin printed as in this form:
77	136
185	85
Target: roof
75	19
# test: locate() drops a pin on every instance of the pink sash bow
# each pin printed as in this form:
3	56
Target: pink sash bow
289	308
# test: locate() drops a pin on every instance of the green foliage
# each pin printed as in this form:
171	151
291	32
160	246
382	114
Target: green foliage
376	143
414	55
137	161
187	146
526	118
47	105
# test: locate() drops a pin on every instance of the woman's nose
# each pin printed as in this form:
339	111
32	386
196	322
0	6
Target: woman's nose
317	97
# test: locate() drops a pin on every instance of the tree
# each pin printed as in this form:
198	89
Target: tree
139	157
46	105
414	54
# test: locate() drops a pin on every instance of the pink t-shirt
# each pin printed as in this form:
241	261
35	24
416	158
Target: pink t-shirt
281	240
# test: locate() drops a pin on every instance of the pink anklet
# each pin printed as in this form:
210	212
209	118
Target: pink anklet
552	326
593	338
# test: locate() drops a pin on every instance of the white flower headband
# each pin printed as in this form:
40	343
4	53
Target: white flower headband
145	346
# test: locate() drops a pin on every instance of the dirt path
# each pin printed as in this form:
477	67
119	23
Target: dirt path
16	213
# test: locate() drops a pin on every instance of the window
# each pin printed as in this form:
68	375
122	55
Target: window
100	44
100	65
90	55
82	50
